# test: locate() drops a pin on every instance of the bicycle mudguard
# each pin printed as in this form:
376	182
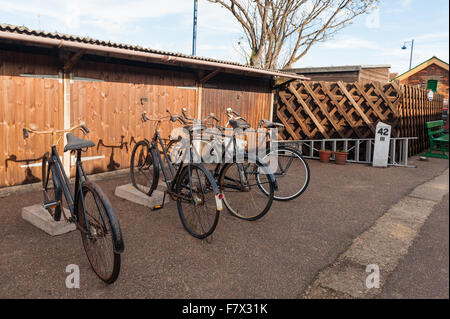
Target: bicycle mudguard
116	232
155	170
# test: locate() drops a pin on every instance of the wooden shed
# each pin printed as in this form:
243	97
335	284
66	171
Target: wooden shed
53	80
349	73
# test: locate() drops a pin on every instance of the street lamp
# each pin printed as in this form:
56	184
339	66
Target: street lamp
404	47
194	34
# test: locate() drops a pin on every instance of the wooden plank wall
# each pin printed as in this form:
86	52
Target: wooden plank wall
324	110
107	97
112	108
374	74
26	101
251	98
415	111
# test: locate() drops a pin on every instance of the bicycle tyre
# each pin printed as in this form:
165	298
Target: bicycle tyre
97	202
144	170
302	175
237	196
184	187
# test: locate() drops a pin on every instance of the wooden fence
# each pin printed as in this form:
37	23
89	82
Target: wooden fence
326	110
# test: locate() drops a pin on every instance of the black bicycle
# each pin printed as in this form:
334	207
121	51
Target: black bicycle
239	175
90	209
290	168
199	201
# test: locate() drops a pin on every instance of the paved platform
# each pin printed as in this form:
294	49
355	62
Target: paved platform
129	192
276	257
39	217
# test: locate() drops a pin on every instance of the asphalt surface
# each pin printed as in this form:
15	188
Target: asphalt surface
424	272
275	257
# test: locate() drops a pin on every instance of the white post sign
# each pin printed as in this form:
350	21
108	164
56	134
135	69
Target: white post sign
382	144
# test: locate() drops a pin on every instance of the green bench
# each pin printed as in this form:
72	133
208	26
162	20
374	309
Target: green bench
438	140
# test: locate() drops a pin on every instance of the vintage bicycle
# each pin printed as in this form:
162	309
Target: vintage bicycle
239	175
290	168
199	200
89	207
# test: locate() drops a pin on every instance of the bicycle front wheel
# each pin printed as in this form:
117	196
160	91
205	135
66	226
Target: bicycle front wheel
240	184
291	172
100	232
196	202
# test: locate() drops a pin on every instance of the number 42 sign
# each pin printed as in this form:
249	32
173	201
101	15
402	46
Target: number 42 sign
382	144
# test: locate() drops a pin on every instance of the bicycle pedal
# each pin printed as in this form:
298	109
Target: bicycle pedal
158	207
50	204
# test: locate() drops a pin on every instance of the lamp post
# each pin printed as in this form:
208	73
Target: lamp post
404	47
194	35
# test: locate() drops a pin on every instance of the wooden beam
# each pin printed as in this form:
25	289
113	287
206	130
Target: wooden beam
209	76
68	65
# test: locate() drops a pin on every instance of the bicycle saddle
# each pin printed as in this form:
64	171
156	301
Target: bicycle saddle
239	124
75	143
269	124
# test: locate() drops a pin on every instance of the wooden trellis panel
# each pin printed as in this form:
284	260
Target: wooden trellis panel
317	110
324	110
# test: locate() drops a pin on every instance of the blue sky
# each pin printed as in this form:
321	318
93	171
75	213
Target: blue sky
167	25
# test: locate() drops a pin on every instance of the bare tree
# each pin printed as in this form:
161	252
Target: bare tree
281	32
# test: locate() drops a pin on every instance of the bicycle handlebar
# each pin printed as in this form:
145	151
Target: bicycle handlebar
229	112
210	116
26	130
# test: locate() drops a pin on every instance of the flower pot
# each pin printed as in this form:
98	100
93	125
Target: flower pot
340	158
324	156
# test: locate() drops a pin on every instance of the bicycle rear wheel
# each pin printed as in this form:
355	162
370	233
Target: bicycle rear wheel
240	184
142	168
196	203
100	232
52	188
292	173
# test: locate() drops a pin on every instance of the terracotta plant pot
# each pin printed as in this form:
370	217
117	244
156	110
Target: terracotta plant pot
340	158
324	156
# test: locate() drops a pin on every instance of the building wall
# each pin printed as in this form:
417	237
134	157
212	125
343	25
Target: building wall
107	97
26	101
249	97
350	76
432	72
374	74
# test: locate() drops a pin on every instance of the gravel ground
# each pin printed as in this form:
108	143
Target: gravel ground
275	257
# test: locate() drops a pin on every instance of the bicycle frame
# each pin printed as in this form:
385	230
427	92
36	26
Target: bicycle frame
171	182
72	196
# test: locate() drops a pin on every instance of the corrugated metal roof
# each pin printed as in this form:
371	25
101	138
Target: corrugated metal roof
101	43
344	68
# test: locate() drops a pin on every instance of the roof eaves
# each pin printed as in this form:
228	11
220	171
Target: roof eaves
134	49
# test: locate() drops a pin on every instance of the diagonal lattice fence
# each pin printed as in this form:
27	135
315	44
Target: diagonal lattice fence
333	110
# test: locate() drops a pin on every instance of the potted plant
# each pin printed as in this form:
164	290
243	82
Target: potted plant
340	157
325	155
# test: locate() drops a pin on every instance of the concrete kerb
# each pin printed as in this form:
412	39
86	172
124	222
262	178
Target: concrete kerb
40	218
130	193
384	244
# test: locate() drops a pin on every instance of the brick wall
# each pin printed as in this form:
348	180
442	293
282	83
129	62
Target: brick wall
432	72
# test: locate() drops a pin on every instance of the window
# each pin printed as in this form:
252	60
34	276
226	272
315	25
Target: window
432	85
